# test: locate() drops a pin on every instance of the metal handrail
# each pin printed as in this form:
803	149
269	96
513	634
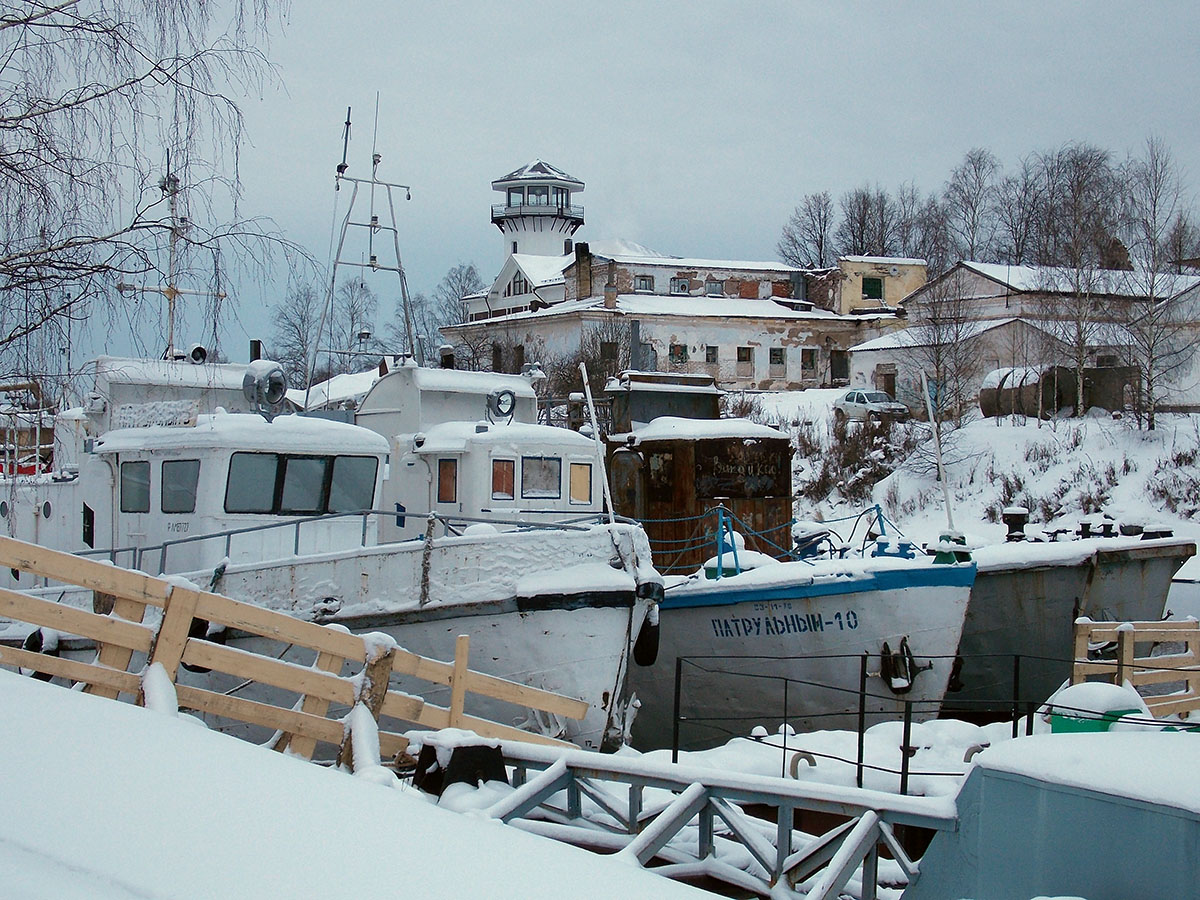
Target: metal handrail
537	209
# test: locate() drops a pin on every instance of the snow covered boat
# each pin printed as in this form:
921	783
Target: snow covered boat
784	641
1025	601
283	513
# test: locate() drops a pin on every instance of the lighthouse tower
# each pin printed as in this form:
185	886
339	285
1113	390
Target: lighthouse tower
538	215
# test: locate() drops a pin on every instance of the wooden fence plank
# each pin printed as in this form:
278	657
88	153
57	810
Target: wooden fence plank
113	655
523	695
313	705
255	713
243	664
373	688
173	632
88	573
72	670
458	684
68	619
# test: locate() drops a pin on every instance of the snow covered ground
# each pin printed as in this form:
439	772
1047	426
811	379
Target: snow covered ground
109	801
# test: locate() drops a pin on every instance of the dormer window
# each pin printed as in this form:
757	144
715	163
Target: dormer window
644	283
518	286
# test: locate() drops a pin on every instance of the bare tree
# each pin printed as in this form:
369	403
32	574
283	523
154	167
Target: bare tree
295	320
93	97
460	281
941	325
1016	201
970	202
868	223
1160	338
807	239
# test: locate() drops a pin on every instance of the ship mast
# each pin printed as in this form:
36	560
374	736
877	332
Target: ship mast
169	185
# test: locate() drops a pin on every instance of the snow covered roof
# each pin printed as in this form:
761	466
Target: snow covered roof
537	170
459	381
454	436
1111	282
610	248
689	307
542	270
688	263
1107	763
250	432
885	260
924	335
120	370
336	390
676	427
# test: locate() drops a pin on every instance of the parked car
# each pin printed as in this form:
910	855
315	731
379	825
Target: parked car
868	405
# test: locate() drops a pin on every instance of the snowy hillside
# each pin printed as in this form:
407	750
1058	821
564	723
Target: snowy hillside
1064	471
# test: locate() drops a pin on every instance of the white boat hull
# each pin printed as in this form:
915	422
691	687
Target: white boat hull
744	637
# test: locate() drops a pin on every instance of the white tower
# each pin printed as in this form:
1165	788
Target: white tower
537	216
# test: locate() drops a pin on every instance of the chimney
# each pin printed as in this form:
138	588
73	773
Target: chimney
610	287
255	350
583	270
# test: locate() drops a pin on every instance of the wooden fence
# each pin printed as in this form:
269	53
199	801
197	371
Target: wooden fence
121	634
1143	670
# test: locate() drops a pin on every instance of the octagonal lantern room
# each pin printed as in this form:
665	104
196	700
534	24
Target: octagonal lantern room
538	215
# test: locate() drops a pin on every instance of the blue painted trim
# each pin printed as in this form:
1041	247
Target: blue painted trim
730	594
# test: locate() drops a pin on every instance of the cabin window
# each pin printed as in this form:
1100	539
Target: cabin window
353	485
447	481
504	476
135	487
179	480
872	288
541	477
303	484
274	484
581	483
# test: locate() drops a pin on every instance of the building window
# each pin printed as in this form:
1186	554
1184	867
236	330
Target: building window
568	246
608	351
135	487
503	478
808	359
714	288
541	477
710	354
872	288
514	249
775	356
497	358
447	481
643	283
745	354
518	286
581	483
681	285
519	357
179	480
677	354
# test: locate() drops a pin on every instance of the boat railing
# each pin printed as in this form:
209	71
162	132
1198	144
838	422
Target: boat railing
450	526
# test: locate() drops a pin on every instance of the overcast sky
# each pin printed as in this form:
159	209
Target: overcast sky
696	126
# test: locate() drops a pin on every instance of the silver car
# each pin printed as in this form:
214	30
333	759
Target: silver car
868	405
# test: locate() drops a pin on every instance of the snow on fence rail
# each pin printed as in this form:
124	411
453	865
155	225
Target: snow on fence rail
1143	670
118	628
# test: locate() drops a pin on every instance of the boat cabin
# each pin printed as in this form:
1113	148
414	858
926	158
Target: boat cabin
467	445
138	488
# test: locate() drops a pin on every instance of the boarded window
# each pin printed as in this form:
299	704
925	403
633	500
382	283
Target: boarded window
643	283
447	481
179	480
541	477
608	351
808	359
503	478
581	483
135	487
872	288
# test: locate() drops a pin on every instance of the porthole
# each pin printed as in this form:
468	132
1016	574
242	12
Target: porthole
3	509
46	510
